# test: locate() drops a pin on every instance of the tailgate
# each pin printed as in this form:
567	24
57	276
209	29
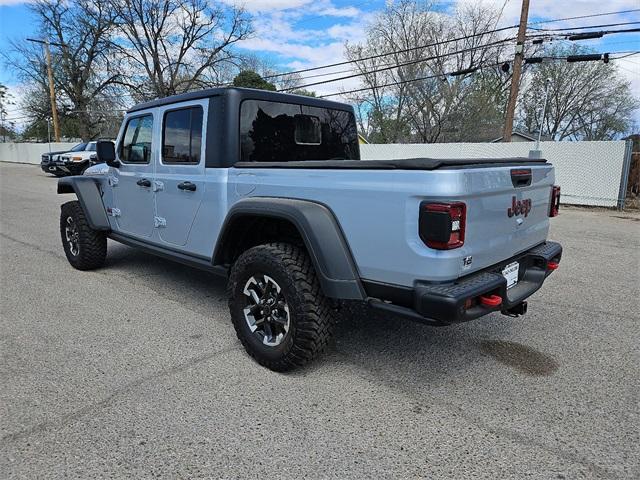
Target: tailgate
507	213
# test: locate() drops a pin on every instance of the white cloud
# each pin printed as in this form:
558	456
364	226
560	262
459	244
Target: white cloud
293	35
255	6
630	68
9	3
346	32
340	12
551	9
296	37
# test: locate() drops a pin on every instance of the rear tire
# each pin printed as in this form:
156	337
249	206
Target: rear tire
85	248
278	310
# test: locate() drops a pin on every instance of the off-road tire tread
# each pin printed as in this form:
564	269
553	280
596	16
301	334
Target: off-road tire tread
314	328
92	243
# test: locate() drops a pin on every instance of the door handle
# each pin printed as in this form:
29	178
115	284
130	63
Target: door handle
143	182
187	186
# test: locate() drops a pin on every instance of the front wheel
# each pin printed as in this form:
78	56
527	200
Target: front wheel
278	310
85	248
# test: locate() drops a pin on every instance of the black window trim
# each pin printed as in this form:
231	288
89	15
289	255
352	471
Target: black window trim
202	133
124	133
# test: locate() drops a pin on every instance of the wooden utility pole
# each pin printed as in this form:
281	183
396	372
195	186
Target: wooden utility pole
517	70
52	88
52	94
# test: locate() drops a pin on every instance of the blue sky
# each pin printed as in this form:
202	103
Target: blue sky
302	33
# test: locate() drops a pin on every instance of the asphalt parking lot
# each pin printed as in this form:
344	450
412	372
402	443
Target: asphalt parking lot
134	371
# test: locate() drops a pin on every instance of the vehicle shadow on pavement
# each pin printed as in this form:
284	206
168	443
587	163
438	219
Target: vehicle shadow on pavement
387	347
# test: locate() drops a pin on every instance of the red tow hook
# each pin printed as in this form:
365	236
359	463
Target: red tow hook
552	265
491	300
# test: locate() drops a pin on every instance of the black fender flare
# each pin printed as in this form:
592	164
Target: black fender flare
88	192
321	233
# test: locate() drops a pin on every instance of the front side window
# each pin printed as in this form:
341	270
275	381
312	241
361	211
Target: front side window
182	136
281	132
91	147
136	141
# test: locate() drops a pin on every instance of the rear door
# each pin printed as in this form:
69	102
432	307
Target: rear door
180	171
133	189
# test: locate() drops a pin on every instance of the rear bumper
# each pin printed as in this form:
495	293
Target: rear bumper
460	301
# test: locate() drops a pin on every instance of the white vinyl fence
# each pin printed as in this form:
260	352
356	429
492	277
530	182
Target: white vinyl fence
589	173
29	152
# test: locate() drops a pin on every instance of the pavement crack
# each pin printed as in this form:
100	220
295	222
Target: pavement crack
30	245
81	412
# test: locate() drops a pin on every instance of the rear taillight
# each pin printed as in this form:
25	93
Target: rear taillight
442	225
554	210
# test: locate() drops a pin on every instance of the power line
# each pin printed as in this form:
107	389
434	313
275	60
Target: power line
391	65
627	55
604	14
470	70
371	57
418	79
597	34
413	62
570	36
346	62
583	27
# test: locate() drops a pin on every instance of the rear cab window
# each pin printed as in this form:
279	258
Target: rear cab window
136	140
280	132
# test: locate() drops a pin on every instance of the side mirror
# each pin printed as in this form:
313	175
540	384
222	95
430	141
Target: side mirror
106	152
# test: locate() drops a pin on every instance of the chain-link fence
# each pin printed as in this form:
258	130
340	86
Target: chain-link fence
590	173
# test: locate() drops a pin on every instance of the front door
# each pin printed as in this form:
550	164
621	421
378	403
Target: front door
180	171
133	193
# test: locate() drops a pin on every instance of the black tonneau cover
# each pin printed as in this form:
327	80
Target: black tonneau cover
403	164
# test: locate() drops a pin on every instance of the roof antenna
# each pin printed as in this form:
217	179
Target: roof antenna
536	153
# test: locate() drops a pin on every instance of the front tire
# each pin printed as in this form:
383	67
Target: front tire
85	248
278	310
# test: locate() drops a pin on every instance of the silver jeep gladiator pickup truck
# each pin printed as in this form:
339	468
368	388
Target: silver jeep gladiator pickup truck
269	190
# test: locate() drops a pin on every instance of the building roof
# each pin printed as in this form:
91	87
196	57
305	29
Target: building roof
523	135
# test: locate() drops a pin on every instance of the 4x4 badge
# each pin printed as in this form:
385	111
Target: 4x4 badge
519	207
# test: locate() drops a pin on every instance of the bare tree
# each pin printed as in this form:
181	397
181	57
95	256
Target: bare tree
174	46
6	126
587	100
79	32
409	97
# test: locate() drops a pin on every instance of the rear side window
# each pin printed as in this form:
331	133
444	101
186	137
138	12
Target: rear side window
182	136
136	142
280	132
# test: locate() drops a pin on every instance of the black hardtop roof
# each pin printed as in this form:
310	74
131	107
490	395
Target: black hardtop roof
242	94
